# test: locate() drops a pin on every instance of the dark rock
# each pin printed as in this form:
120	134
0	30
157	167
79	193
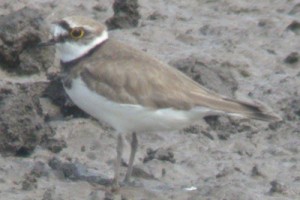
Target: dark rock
20	32
126	15
292	58
255	172
22	125
56	93
225	126
52	144
23	151
212	121
29	182
294	26
159	154
69	170
77	171
276	187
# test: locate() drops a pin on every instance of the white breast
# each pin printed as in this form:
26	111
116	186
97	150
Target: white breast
128	117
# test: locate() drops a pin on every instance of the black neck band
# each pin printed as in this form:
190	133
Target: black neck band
77	60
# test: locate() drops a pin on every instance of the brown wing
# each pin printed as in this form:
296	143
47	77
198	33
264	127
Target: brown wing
123	74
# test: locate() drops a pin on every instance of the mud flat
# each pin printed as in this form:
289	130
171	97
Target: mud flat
249	50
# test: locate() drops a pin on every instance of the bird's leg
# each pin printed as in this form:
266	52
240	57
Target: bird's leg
134	145
116	185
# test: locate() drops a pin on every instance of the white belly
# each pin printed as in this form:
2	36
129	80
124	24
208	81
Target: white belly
128	117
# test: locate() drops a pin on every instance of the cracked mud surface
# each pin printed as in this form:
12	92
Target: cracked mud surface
248	50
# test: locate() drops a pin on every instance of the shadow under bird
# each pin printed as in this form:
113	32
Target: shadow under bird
132	91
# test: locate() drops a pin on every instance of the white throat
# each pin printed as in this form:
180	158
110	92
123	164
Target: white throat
69	51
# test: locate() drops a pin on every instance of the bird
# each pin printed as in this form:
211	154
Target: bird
131	90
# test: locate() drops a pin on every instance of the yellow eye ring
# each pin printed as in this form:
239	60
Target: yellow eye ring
77	33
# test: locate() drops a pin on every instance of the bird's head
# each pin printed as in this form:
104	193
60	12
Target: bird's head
75	36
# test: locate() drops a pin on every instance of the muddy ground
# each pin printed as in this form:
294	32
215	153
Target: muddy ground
50	150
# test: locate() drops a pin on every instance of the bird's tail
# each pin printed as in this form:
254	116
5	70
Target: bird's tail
220	104
249	110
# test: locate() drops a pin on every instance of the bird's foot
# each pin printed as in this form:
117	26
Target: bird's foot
115	187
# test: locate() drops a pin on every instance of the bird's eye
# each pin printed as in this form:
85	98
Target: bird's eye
77	33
